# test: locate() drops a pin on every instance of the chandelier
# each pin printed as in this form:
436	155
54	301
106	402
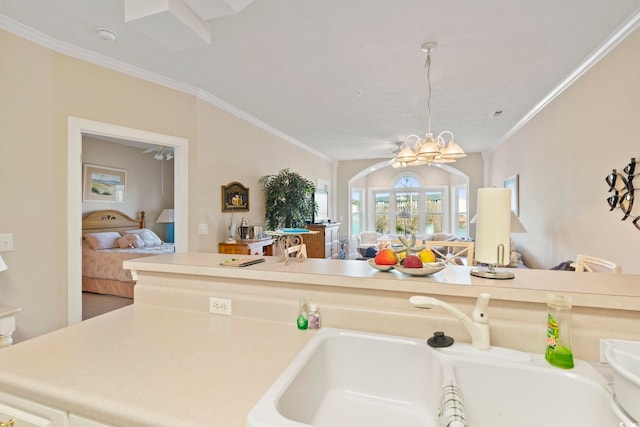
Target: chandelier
442	148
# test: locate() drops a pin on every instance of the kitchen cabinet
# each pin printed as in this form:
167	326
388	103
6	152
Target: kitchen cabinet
324	244
25	413
79	421
19	412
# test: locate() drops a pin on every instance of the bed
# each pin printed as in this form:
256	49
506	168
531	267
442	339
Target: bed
109	238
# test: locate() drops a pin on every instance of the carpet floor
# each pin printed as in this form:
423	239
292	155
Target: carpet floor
97	304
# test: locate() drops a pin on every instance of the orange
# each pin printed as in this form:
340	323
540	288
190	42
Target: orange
386	256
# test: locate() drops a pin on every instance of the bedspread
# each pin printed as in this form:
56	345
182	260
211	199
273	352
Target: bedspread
107	263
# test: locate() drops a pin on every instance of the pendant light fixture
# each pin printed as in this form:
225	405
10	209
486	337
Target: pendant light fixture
432	149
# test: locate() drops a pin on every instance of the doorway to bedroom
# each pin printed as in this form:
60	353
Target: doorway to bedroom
148	174
102	133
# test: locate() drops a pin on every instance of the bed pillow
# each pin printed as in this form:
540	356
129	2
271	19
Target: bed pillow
148	237
124	243
130	241
103	240
135	240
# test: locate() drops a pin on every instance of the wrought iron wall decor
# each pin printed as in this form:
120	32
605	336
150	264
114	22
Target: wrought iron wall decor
623	192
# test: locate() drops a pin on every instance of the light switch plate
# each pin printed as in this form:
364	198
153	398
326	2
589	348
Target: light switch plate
6	242
203	229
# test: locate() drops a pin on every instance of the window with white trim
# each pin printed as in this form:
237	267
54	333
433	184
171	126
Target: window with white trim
356	212
461	213
410	208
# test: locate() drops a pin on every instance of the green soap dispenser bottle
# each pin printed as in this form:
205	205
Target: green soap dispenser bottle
559	351
303	315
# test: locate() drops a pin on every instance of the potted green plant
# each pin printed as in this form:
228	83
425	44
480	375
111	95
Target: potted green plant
288	199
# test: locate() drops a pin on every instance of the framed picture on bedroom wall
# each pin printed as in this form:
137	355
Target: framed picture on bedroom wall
103	184
512	183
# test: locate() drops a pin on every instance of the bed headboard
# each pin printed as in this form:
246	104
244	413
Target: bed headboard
111	220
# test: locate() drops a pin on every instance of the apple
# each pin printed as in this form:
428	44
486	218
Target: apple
386	256
412	261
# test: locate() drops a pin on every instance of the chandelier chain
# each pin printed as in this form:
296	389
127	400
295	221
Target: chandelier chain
427	65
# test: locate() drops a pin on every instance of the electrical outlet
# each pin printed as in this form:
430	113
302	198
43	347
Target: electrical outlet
220	306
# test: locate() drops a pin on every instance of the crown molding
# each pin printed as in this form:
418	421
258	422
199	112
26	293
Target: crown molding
68	49
37	37
214	100
617	37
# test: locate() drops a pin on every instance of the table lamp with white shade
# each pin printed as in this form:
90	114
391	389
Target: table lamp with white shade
167	218
3	265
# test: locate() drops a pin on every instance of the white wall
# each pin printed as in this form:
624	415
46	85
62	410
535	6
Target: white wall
229	150
428	176
40	90
562	157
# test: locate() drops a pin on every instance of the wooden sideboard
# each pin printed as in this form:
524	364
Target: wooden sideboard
247	247
324	244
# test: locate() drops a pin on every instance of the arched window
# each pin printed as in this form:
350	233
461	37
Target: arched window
407	182
410	208
423	200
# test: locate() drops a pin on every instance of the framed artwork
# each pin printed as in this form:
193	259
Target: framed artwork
235	198
512	183
103	184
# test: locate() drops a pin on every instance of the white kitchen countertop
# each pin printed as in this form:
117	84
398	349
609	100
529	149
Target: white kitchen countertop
600	290
152	364
143	365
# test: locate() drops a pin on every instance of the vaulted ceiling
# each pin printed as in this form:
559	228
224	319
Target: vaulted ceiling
347	78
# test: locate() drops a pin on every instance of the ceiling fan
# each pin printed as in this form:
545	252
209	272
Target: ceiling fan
160	153
398	147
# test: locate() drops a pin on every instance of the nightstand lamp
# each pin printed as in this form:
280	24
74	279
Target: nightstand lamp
3	266
166	218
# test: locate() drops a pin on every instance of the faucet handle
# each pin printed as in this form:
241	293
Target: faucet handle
480	314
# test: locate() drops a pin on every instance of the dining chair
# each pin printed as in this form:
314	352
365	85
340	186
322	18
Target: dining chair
457	253
587	263
297	251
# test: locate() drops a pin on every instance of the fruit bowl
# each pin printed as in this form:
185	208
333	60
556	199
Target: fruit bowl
427	269
380	267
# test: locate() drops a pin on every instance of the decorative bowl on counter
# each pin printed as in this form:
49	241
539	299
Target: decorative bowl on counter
427	269
381	267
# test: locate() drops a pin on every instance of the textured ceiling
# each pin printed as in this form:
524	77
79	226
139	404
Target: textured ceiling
346	78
